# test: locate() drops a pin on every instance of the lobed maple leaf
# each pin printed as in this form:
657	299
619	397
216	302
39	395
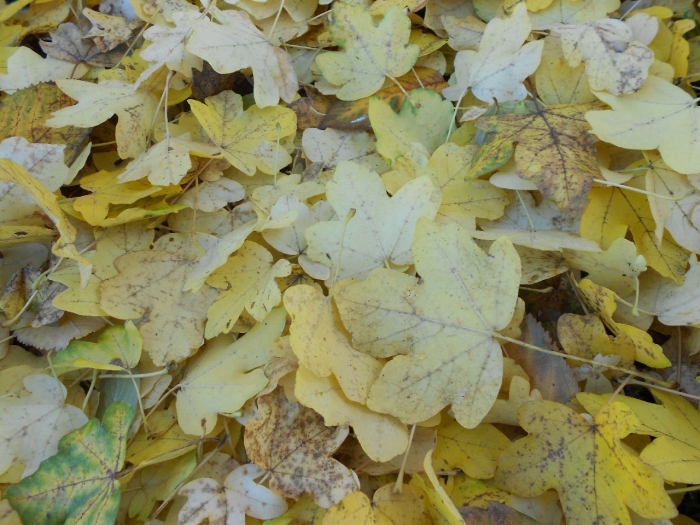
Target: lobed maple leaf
440	326
293	444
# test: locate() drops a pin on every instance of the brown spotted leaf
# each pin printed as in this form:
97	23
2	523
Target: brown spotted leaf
293	443
584	460
554	150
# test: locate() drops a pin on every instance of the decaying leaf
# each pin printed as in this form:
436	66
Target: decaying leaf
293	444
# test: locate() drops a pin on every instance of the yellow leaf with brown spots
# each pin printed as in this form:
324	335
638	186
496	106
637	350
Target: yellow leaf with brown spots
584	460
293	444
554	150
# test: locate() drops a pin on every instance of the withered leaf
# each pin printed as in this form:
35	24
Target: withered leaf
208	83
292	442
69	42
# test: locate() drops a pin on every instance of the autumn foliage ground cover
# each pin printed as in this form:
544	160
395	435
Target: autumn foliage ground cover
334	263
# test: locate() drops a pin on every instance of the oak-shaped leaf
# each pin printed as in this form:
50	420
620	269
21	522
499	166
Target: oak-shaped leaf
442	323
381	230
370	52
584	459
235	44
554	150
221	378
78	485
294	445
32	422
209	502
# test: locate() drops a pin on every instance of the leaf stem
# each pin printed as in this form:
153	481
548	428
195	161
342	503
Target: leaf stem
582	360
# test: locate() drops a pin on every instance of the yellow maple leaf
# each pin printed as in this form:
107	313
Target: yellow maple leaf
370	52
675	452
225	374
462	200
474	451
248	282
248	139
107	189
613	211
382	437
387	507
294	445
234	44
442	323
381	230
602	301
585	461
658	116
322	347
150	282
98	102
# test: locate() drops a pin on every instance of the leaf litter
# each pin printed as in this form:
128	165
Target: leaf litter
330	263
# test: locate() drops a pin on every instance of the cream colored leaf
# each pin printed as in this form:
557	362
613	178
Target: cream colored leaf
680	305
381	230
98	102
234	44
542	227
225	374
26	68
502	63
150	283
209	502
658	116
168	47
442	323
614	61
211	196
31	426
167	162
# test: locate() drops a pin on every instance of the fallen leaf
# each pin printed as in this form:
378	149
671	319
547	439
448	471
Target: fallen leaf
575	456
498	69
380	232
32	425
234	44
441	325
293	444
208	501
371	53
86	466
225	375
658	116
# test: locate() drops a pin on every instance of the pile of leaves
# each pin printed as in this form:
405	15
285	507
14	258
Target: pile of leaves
323	262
